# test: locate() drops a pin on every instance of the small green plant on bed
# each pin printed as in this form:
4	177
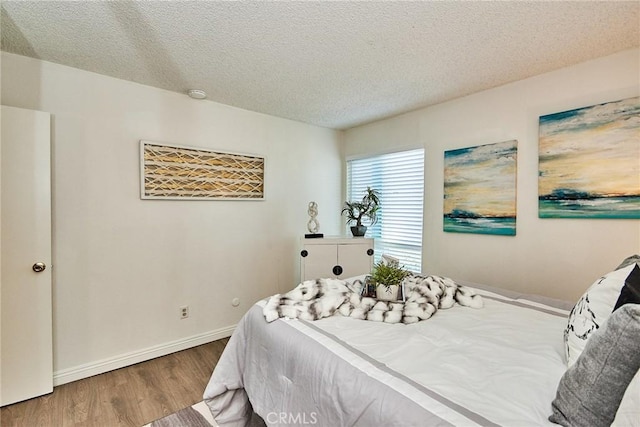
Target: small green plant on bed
387	275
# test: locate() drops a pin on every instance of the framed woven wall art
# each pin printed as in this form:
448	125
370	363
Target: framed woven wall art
190	173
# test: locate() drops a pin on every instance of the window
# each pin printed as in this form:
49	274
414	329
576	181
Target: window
399	177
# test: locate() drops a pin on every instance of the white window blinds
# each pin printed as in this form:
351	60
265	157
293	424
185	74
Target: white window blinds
399	177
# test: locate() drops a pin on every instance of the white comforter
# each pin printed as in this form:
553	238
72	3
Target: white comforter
503	362
497	366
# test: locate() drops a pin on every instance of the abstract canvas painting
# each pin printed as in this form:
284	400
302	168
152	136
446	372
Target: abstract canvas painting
480	189
589	162
188	173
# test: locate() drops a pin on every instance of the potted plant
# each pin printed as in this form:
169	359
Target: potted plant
387	278
366	209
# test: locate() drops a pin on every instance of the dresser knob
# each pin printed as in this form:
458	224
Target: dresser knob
304	253
369	252
337	270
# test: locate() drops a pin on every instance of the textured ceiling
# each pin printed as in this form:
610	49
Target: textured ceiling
332	64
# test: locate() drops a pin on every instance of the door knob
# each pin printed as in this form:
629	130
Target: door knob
39	267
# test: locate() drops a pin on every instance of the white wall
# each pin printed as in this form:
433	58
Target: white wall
123	266
553	257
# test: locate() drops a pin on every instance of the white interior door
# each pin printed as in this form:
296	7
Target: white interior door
26	351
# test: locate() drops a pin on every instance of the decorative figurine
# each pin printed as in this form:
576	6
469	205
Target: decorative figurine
313	225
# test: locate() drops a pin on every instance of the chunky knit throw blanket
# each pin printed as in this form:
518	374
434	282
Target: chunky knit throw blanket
316	299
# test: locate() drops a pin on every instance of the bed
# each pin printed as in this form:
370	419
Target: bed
498	365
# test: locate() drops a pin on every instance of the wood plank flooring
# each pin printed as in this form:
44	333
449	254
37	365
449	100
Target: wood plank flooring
131	396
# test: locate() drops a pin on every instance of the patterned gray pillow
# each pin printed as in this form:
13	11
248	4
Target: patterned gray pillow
590	391
607	294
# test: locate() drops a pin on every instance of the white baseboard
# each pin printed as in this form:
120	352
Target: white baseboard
68	375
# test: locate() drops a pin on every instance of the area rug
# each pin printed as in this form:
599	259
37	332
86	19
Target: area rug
197	415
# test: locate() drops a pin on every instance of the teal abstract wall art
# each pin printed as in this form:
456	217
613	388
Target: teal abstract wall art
589	162
480	189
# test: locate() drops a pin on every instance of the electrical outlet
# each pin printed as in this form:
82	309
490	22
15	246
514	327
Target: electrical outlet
184	311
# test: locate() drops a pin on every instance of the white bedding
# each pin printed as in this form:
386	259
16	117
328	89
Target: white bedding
499	365
503	362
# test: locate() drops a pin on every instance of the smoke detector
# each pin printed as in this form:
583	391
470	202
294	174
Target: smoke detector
197	93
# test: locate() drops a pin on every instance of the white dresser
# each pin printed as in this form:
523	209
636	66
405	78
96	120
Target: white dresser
336	257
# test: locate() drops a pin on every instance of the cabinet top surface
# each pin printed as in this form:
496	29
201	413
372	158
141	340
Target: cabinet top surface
337	240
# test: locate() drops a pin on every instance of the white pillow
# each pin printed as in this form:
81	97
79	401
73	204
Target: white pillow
629	410
595	307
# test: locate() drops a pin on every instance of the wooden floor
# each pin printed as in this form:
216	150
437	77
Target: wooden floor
131	396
